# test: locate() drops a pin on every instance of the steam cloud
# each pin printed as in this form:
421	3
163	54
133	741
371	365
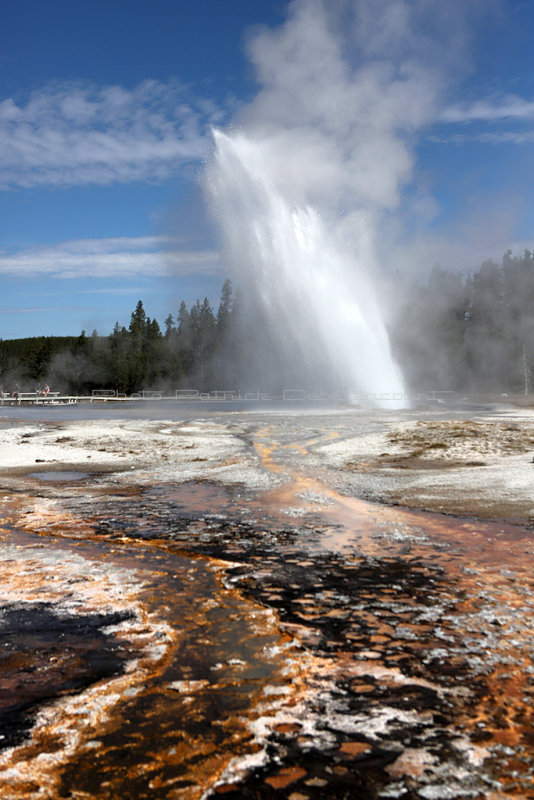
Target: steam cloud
314	165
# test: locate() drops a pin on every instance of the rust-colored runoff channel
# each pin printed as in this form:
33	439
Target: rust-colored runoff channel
327	648
188	662
476	643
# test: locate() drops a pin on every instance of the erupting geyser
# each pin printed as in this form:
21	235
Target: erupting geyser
308	274
308	186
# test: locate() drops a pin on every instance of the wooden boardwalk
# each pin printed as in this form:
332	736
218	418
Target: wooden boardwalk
53	398
99	396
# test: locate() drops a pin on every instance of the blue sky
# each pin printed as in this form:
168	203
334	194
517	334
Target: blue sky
106	110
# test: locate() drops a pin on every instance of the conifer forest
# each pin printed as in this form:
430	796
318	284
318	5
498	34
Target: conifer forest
462	333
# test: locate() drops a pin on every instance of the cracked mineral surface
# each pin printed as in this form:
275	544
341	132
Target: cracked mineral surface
267	605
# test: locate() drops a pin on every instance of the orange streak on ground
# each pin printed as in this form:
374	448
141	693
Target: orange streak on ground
488	564
488	567
197	619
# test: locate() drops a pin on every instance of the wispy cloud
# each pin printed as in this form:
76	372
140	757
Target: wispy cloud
485	137
111	258
78	134
510	107
29	309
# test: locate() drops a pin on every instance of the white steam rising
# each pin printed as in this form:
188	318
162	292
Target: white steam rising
316	160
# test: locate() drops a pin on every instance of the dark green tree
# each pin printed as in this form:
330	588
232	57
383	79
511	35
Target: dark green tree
185	343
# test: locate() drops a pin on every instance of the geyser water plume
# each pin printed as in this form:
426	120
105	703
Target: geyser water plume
309	276
307	187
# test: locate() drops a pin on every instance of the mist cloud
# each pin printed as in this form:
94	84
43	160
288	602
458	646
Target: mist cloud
337	115
349	89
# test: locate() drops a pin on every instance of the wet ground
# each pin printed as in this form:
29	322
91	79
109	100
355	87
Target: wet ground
196	639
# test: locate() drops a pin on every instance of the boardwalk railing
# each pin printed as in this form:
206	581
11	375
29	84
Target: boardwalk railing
34	398
180	395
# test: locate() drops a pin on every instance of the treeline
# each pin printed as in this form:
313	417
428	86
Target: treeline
456	332
469	333
193	350
25	362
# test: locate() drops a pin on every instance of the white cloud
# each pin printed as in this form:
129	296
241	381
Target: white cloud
485	137
504	120
111	258
510	107
76	134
